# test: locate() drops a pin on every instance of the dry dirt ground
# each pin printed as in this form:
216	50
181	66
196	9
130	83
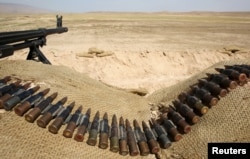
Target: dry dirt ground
141	50
148	50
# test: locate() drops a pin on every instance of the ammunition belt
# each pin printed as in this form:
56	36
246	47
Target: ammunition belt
173	121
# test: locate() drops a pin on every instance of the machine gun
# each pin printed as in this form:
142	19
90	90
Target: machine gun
32	39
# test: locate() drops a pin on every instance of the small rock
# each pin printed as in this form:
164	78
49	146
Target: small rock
85	54
94	50
232	49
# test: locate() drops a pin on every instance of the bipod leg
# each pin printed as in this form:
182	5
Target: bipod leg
35	52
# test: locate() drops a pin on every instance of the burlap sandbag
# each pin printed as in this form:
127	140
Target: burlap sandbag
227	121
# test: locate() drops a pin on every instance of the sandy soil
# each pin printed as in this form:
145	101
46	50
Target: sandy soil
148	50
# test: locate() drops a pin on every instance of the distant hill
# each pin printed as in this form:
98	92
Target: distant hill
20	8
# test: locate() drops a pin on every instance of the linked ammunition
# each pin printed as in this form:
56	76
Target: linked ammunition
186	112
205	96
123	148
178	120
93	132
51	113
7	88
17	90
73	123
114	137
213	88
171	129
162	135
58	122
133	149
4	80
233	74
30	102
222	80
35	112
152	143
14	100
141	139
244	66
83	125
240	69
193	102
104	132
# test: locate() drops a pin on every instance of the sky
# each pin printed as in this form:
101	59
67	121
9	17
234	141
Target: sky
137	5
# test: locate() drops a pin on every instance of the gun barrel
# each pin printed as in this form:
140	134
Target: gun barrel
17	36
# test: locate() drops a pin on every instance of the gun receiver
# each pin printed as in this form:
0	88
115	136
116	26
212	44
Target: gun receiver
32	39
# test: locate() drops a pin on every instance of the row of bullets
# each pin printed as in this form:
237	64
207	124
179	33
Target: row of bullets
122	137
35	107
191	105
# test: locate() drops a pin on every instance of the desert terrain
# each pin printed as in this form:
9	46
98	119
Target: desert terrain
145	50
150	53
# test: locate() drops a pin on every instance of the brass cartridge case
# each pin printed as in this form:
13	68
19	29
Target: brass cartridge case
22	108
103	142
56	125
123	147
44	120
3	99
114	144
32	115
68	132
92	140
143	147
79	136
